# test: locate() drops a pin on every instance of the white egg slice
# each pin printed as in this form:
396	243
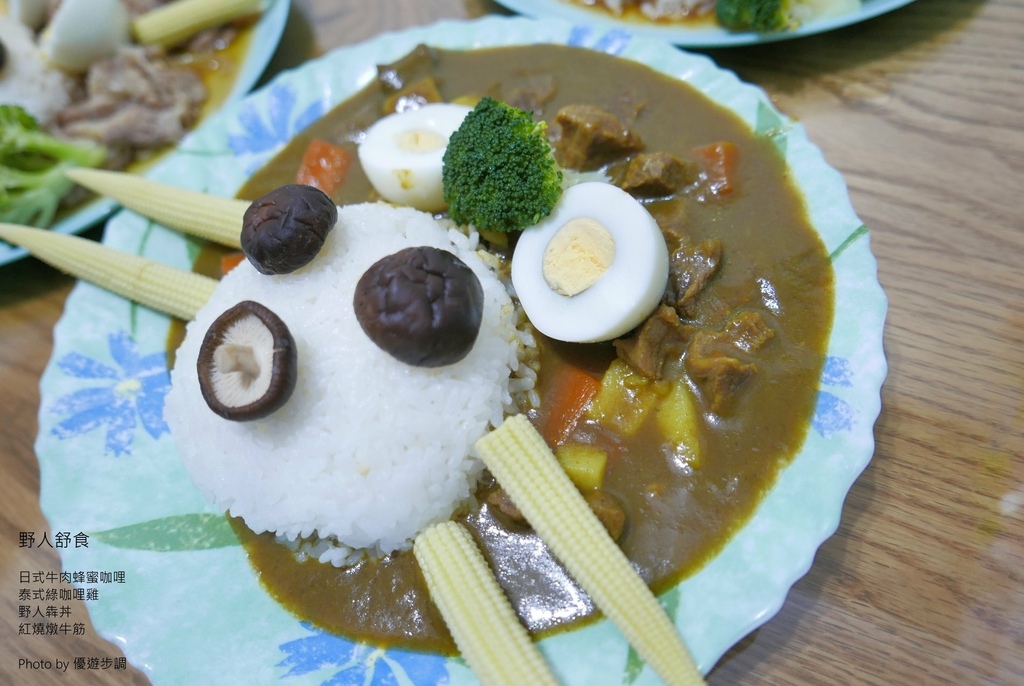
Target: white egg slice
402	154
594	269
83	31
31	13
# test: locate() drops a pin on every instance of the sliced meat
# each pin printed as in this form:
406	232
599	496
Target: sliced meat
135	98
609	511
412	96
719	361
502	502
414	66
660	341
604	505
627	106
656	174
590	137
748	331
409	81
671	217
690	268
212	40
529	92
717	373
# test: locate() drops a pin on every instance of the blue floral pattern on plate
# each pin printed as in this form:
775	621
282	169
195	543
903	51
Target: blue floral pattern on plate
355	664
612	42
136	391
268	127
832	413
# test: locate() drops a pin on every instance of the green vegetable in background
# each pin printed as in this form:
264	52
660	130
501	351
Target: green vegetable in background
499	170
755	15
32	166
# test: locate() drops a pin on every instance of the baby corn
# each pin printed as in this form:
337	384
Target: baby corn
206	216
526	468
480	617
172	291
172	23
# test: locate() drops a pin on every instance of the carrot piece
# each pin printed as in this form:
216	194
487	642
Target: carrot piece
719	161
571	392
324	165
230	260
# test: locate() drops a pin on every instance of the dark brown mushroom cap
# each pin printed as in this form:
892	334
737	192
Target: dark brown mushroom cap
423	306
247	363
286	228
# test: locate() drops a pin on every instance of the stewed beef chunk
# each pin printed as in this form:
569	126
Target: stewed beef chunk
720	361
690	269
656	174
658	342
590	137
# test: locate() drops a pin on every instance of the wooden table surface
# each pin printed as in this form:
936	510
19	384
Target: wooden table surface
921	111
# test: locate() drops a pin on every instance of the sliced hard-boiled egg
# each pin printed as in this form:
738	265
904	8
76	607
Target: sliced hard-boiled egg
594	268
83	31
402	154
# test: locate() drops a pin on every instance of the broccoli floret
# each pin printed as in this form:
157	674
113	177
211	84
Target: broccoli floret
32	166
754	15
499	170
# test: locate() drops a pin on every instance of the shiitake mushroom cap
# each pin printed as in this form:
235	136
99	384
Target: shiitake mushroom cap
421	305
225	368
285	229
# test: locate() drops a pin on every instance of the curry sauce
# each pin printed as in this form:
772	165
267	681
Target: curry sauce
678	513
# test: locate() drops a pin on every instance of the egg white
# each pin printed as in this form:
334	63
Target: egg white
410	177
31	13
623	296
83	31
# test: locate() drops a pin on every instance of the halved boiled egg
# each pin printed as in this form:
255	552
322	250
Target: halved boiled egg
31	13
83	31
594	268
402	154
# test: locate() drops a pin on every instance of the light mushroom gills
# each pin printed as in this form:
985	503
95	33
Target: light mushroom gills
578	255
247	363
242	364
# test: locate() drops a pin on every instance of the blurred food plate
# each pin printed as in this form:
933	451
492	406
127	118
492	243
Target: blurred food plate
701	34
261	43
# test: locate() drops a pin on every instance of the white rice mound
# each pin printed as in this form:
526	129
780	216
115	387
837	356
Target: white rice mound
368	451
27	80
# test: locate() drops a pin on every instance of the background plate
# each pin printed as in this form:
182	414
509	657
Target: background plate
697	36
190	609
262	44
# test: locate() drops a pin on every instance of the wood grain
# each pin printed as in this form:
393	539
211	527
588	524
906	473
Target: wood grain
923	583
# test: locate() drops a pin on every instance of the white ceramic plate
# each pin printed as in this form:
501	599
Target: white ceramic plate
698	36
265	36
190	609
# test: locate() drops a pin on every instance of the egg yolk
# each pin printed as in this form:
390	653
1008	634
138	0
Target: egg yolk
579	254
421	140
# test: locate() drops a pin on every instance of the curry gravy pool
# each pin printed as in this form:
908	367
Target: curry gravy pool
678	511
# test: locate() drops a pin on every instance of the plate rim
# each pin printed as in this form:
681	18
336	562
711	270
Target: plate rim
704	37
